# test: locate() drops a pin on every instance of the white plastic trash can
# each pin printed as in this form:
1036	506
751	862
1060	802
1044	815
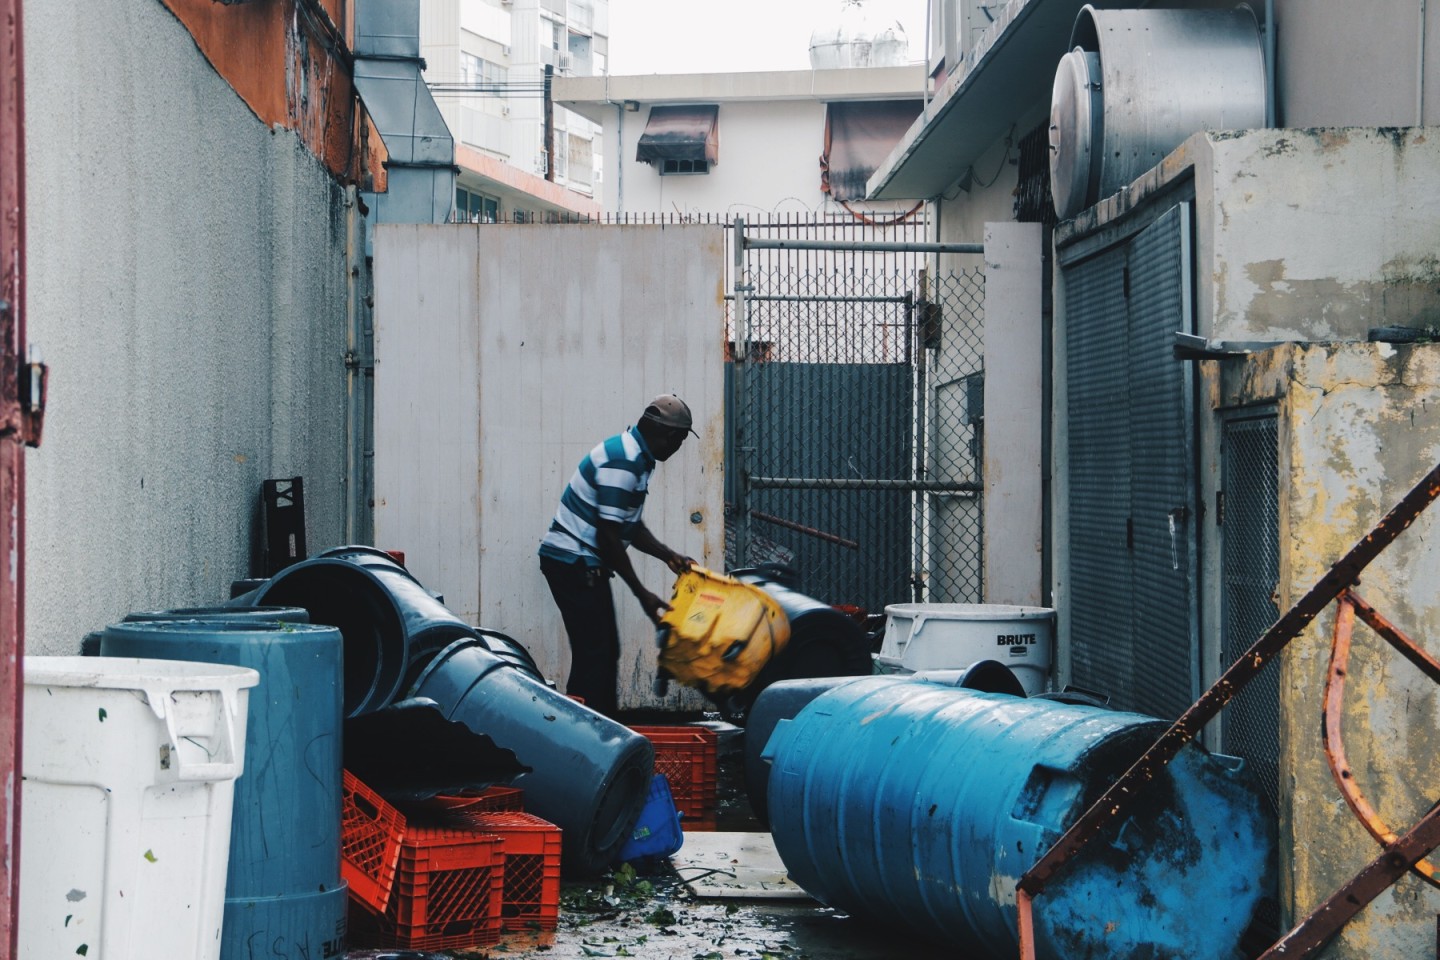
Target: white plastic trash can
129	771
939	636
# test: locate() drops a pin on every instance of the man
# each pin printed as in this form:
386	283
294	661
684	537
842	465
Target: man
597	521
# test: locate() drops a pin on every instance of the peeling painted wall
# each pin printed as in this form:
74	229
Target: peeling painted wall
1316	234
187	271
1359	425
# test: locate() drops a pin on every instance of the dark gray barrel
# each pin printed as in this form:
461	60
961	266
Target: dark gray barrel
824	642
589	775
391	624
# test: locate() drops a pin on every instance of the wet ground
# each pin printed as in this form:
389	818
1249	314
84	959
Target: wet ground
652	915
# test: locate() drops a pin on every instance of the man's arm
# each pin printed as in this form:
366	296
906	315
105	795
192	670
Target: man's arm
612	552
645	542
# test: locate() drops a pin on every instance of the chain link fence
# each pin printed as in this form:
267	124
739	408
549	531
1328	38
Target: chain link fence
856	420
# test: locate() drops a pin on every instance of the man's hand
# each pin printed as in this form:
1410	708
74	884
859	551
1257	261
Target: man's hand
654	607
678	563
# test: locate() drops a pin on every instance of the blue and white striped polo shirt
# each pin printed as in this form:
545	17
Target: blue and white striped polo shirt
609	484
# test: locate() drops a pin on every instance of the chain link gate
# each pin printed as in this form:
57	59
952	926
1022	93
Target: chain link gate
855	421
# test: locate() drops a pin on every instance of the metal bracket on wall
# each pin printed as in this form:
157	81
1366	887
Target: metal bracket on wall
31	388
1399	856
1188	346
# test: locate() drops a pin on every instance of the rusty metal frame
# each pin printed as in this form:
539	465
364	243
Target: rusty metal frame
1118	800
15	427
1348	605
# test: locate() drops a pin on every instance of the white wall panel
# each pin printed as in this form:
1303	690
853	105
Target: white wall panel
503	354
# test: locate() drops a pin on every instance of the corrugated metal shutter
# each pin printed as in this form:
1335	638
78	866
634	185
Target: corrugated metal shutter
1131	509
1099	594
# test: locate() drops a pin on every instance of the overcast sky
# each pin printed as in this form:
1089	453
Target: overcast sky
684	36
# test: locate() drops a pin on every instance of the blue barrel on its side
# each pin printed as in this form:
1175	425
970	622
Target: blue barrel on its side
283	892
920	805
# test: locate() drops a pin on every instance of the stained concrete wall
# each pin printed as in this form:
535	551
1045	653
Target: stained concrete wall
1359	425
187	286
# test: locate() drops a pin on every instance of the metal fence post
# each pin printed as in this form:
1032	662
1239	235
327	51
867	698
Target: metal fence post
738	429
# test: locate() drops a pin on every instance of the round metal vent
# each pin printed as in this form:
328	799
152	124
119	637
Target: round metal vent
1076	117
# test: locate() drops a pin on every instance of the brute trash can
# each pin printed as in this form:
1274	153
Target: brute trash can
129	770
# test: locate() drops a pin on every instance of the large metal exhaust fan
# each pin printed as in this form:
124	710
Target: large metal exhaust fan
1137	83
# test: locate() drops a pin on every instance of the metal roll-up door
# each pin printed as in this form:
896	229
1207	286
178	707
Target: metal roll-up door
1161	458
1132	600
1099	470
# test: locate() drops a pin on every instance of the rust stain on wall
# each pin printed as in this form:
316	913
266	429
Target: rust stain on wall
289	60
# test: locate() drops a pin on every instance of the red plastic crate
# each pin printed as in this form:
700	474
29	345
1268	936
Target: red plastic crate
531	898
489	800
447	895
370	834
686	756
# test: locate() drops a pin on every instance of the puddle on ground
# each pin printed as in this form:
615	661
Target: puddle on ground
656	918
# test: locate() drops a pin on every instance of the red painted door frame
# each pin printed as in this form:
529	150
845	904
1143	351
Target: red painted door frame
13	435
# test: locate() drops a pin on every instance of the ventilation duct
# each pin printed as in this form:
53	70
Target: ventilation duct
420	171
1137	83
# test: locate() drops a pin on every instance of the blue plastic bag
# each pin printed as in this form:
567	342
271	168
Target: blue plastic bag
657	833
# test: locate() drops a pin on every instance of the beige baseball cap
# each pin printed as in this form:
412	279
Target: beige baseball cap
669	410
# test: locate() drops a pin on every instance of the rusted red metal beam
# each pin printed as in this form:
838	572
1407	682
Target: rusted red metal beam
1325	921
12	460
1332	733
1392	635
1116	802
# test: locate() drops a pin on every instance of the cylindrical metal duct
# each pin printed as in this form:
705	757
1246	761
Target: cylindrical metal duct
391	624
1137	83
589	775
920	805
283	886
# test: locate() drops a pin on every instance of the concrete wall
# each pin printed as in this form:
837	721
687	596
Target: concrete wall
1359	425
496	371
1315	234
187	286
1014	414
1346	64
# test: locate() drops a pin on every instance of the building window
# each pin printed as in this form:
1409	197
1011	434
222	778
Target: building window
478	71
471	207
680	168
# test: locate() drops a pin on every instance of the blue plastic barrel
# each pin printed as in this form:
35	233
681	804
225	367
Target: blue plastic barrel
283	892
919	805
589	775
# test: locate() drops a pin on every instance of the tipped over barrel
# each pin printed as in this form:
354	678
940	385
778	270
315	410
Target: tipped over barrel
920	805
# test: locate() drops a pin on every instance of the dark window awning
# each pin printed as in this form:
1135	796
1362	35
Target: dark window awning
858	138
688	132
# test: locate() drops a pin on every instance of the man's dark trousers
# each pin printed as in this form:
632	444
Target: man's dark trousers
583	595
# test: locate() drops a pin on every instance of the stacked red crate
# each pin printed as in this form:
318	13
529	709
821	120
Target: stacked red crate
531	896
442	888
686	756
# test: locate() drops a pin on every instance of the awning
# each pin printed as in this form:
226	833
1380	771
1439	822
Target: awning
858	137
688	132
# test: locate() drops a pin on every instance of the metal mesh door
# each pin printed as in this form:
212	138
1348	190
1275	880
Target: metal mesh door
856	415
1250	566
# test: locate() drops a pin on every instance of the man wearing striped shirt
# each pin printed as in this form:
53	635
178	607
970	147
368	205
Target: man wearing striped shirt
597	521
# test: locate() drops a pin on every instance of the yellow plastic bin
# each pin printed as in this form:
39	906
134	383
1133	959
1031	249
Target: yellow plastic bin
719	633
129	771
